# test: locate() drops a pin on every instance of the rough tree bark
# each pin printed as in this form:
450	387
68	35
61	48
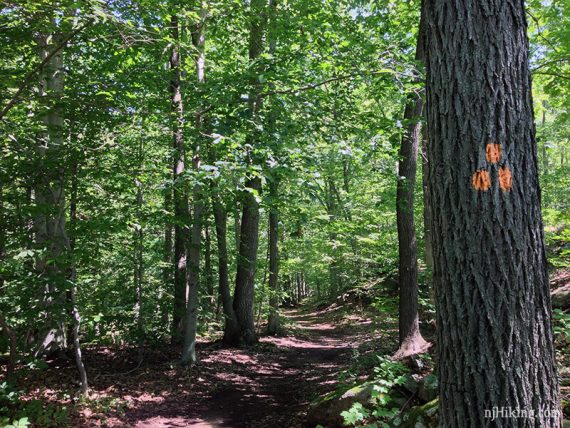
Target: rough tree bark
411	340
180	197
249	230
495	340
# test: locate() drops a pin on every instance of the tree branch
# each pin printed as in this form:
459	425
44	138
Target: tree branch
38	68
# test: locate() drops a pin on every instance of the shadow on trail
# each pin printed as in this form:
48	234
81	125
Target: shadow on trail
263	386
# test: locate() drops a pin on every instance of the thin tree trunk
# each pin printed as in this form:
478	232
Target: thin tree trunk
83	383
427	207
138	259
411	340
168	259
10	335
191	325
72	232
544	148
209	284
231	327
249	231
237	224
273	321
8	332
495	339
74	310
180	198
167	254
332	211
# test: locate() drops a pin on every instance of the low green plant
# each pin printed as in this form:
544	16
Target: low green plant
17	413
387	374
562	324
17	423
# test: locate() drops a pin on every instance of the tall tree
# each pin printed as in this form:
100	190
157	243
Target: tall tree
273	321
273	232
49	195
180	196
249	229
411	340
231	327
189	349
495	340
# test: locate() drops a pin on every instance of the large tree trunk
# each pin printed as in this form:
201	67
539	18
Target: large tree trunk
180	197
191	325
411	340
495	340
273	321
249	230
247	259
49	192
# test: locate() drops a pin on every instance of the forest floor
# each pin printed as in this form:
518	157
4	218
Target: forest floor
270	384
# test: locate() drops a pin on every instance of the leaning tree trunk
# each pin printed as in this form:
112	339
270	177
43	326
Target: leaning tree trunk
495	340
249	230
411	340
180	197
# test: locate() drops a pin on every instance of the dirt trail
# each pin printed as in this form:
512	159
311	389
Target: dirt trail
266	386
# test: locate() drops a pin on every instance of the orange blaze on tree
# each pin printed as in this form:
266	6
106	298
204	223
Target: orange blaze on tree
481	180
493	152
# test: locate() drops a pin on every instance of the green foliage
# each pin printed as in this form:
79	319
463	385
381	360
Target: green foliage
381	408
562	324
15	412
19	423
334	85
355	414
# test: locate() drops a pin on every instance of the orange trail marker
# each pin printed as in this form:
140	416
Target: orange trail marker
493	152
505	178
481	180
